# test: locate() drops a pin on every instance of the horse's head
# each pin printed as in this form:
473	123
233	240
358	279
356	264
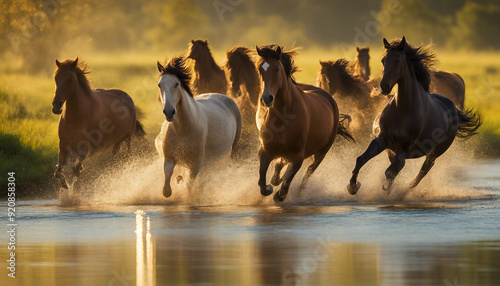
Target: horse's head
66	83
363	55
271	73
197	49
394	62
173	84
324	73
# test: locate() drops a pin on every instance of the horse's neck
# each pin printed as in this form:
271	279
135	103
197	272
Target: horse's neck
410	94
187	114
78	106
201	64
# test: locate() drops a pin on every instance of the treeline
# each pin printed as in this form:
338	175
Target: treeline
38	30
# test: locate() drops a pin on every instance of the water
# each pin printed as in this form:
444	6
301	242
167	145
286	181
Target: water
441	234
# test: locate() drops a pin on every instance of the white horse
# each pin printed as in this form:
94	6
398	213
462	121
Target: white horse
197	130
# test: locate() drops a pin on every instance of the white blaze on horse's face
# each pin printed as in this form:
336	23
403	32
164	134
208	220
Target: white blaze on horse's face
270	72
265	66
170	90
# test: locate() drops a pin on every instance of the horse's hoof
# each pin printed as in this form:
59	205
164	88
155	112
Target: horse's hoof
387	185
278	198
167	191
353	188
267	190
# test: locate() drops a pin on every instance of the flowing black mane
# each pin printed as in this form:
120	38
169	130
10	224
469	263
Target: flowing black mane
177	66
80	68
286	58
421	58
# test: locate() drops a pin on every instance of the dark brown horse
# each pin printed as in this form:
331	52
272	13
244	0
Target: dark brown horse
362	63
208	76
243	76
351	92
415	123
91	120
293	124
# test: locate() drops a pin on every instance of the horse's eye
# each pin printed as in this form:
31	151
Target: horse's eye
277	69
176	84
159	85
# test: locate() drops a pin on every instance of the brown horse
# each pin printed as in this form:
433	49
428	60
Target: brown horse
209	77
351	92
414	123
362	63
294	124
450	85
91	120
243	75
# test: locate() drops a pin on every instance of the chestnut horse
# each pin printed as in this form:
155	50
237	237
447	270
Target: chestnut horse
362	63
197	130
415	123
209	77
294	124
91	120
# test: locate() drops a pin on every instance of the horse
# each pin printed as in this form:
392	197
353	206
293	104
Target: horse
294	124
92	120
414	123
445	83
351	92
362	63
243	75
209	77
196	130
450	85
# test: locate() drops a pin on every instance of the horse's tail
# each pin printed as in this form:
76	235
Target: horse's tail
469	122
343	129
139	129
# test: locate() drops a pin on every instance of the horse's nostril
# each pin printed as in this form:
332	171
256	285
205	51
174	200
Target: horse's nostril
165	112
60	104
173	112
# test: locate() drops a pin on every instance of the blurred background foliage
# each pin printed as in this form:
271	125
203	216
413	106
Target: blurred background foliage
37	31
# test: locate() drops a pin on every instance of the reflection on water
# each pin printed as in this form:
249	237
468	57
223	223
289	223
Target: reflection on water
441	243
144	261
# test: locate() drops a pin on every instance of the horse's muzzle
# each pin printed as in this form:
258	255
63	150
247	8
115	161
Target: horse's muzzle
57	107
385	89
267	100
169	115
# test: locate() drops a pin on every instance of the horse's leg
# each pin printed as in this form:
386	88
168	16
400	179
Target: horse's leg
168	169
265	160
376	147
61	162
317	159
394	168
291	170
428	163
276	179
78	167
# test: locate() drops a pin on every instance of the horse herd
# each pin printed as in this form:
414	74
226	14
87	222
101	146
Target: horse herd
293	121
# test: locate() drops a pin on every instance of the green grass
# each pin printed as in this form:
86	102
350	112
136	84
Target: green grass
28	129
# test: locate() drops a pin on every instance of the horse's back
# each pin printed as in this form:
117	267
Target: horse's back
450	85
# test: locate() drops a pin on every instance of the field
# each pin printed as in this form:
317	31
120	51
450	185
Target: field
28	130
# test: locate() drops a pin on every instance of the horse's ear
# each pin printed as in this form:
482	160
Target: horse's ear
402	44
160	67
58	64
258	51
206	42
192	41
278	50
367	49
357	49
75	63
386	44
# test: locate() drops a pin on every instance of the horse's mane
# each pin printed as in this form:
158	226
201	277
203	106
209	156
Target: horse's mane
347	83
286	58
177	66
238	55
421	58
80	70
207	55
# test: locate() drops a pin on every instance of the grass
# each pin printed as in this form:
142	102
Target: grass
28	129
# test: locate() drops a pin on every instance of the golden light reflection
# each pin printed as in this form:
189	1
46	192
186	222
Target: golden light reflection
145	262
